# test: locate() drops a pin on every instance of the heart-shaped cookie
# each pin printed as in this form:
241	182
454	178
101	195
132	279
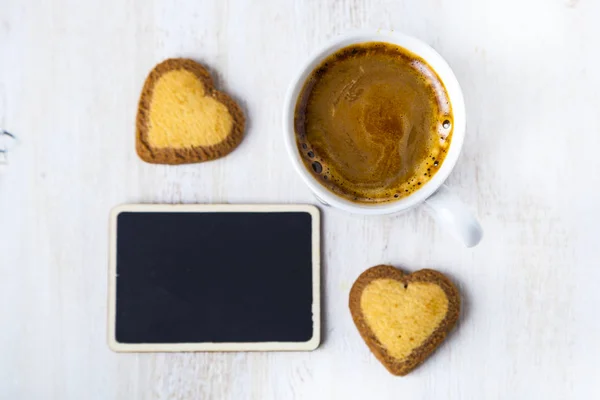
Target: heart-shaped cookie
403	318
182	118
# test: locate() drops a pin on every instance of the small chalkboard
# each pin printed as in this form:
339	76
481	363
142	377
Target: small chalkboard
214	278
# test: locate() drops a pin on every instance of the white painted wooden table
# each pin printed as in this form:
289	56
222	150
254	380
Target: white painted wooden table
70	76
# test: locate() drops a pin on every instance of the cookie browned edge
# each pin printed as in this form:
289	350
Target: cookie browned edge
193	154
420	354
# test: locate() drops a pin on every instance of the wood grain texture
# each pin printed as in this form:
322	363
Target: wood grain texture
70	77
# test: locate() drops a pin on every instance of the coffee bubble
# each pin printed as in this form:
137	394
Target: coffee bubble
317	167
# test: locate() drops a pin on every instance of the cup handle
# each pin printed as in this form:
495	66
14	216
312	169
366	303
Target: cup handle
452	214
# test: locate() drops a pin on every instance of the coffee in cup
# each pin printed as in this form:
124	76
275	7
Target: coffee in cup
373	122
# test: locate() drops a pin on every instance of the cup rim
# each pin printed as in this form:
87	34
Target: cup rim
435	61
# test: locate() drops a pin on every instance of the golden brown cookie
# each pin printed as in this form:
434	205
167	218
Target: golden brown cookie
182	118
403	318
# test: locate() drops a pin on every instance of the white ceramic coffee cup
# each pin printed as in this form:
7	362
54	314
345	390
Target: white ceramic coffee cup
442	203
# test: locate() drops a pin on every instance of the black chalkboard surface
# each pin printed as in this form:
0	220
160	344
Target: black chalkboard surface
214	278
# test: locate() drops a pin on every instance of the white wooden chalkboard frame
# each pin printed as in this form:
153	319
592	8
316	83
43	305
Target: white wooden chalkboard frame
309	345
